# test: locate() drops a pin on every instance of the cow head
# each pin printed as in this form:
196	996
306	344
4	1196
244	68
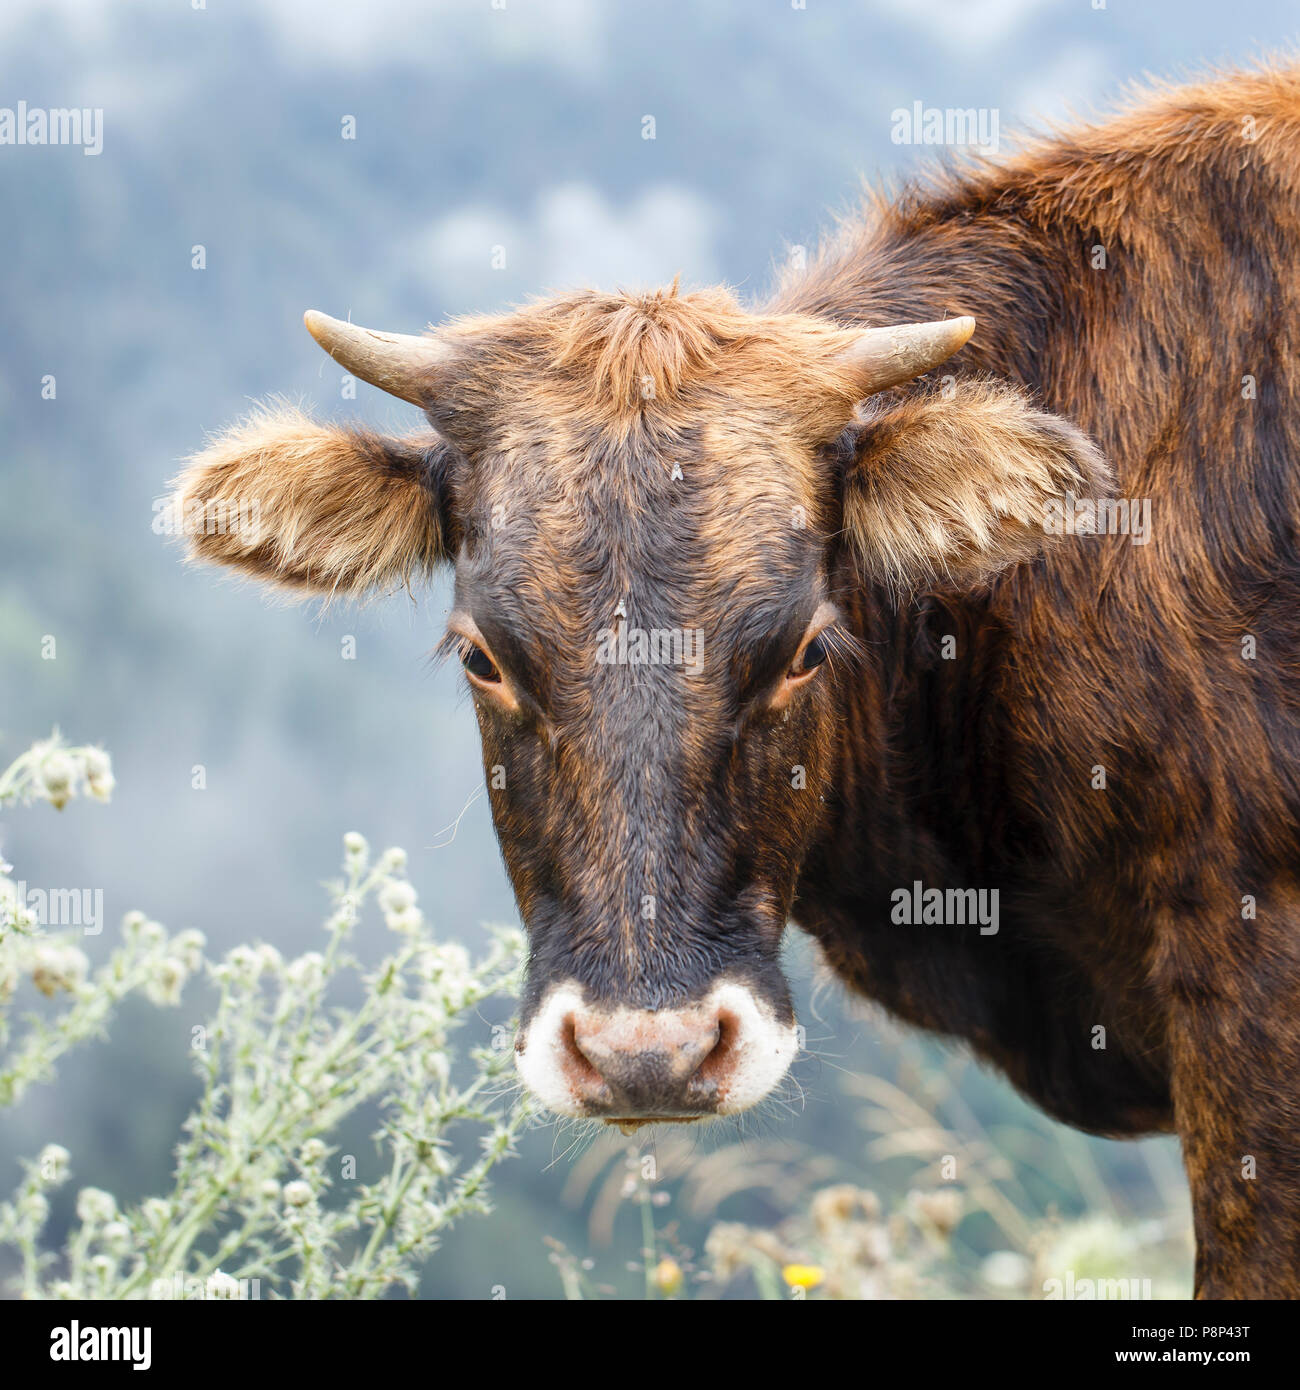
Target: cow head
650	504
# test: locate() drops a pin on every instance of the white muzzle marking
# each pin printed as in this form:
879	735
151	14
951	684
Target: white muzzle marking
759	1047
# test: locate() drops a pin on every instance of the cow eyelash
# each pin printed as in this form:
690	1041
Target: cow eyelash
819	650
832	643
468	652
477	662
814	653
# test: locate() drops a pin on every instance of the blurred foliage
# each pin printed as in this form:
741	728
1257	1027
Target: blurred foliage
261	1204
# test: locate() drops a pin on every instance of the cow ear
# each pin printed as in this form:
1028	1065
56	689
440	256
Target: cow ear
953	486
310	508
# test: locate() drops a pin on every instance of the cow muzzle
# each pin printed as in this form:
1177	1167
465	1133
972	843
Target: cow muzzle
634	1066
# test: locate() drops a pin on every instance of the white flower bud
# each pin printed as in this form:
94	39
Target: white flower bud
99	773
1005	1269
152	933
57	772
296	1194
243	963
221	1285
344	918
189	946
307	971
116	1237
156	1212
312	1152
95	1206
97	763
166	981
450	960
102	789
34	1209
52	1163
397	895
405	923
57	967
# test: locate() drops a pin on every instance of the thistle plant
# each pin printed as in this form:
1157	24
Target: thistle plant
50	771
148	961
264	1202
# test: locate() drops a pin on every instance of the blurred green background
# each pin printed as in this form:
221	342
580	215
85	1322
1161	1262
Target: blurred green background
478	126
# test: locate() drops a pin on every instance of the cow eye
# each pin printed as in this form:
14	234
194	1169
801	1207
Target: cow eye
811	657
478	663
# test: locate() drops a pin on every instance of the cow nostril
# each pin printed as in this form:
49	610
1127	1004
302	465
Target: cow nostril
718	1060
580	1066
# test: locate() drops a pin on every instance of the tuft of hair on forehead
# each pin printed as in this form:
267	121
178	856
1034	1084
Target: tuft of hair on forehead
621	355
637	349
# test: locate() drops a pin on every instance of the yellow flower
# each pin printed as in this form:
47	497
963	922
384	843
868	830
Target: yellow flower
668	1276
803	1276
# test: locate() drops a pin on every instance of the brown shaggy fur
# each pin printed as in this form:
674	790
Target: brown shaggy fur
337	509
918	513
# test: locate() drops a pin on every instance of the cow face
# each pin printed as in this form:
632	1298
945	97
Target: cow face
644	613
645	501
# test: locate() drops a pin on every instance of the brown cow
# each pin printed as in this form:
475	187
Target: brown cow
767	618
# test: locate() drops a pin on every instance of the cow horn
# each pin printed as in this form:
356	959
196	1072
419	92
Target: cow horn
398	363
884	357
